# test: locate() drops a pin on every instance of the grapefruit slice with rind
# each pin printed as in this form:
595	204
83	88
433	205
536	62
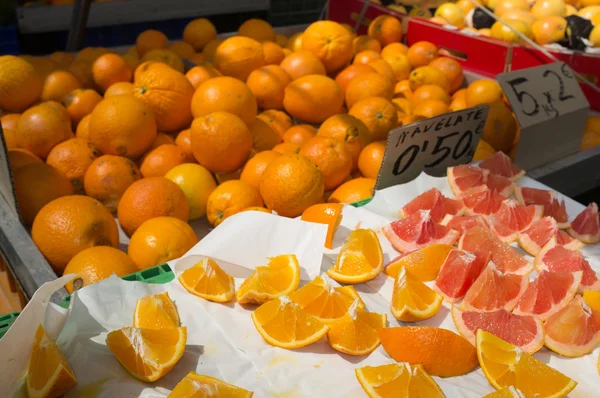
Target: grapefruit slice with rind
556	258
458	272
552	206
518	217
500	164
463	223
412	300
502	231
480	200
524	331
397	380
566	240
502	185
534	238
586	226
417	231
558	210
574	330
548	293
494	290
464	177
484	244
508	392
434	201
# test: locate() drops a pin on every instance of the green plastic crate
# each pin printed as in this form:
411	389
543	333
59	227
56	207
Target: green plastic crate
362	203
6	321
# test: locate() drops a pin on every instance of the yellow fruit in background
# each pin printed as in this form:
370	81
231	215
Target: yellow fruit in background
257	29
485	32
420	12
589	12
451	13
294	43
500	128
465	5
503	6
483	91
523	15
197	183
570	10
21	85
590	139
501	31
544	8
549	29
428	75
595	36
483	151
199	33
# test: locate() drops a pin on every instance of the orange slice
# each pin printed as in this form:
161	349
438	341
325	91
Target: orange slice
156	312
592	298
412	300
423	264
506	365
351	291
360	259
281	276
397	380
323	301
194	385
49	373
147	354
282	323
356	333
508	392
329	214
207	280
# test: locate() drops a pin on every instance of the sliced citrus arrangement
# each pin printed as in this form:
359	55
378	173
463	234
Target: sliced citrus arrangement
412	300
324	301
360	259
481	200
552	206
356	333
433	200
156	311
147	354
423	264
441	352
500	164
280	276
464	223
49	373
592	299
282	323
457	274
464	177
417	231
586	226
508	392
397	380
194	385
505	365
207	280
329	214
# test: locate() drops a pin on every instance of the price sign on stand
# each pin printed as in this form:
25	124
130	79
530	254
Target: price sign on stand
432	145
6	186
551	110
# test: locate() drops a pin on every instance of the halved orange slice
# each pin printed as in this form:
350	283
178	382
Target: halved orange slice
508	392
147	354
360	259
412	300
329	214
156	312
194	385
397	380
281	276
424	264
505	365
282	323
356	333
207	280
49	373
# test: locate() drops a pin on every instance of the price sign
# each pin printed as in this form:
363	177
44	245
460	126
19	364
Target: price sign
432	145
6	186
551	110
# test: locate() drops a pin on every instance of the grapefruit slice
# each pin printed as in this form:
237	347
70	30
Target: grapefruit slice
526	332
586	226
548	293
494	290
481	200
533	196
537	235
434	201
574	330
517	217
457	274
484	244
557	210
417	231
500	164
566	240
464	177
504	232
463	223
557	258
500	184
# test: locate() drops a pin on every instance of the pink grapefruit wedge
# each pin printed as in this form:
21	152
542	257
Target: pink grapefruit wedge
533	196
557	210
517	217
523	331
586	226
434	201
463	223
480	200
504	232
537	235
502	185
457	274
500	164
464	177
566	240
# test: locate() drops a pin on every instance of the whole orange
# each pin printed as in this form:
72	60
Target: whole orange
349	130
364	43
365	57
63	59
148	198
290	184
302	63
108	177
221	141
483	91
198	58
332	158
459	101
149	40
299	134
226	94
165	56
132	59
122	125
500	127
273	53
109	69
402	89
330	42
199	74
211	48
21	85
386	28
119	88
383	68
237	56
278	120
393	49
264	137
399	64
81	102
159	240
287	147
353	191
430	91
452	69
404	106
268	85
147	65
10	120
42	65
368	85
229	198
58	84
313	98
197	183
82	70
10	138
431	108
295	42
83	128
422	53
378	114
184	142
72	159
370	159
43	126
20	157
281	40
71	224
428	75
199	33
257	29
350	72
160	160
161	139
183	49
36	185
409	119
256	165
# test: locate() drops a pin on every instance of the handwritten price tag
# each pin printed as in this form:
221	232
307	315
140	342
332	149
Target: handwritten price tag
432	145
551	110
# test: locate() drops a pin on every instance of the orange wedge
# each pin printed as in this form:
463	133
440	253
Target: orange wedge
147	354
398	380
194	385
156	312
356	333
507	365
207	280
281	276
282	323
360	259
351	291
323	301
412	300
423	264
329	214
49	373
592	298
508	392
